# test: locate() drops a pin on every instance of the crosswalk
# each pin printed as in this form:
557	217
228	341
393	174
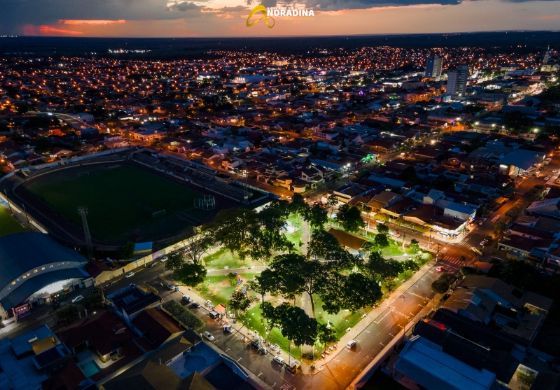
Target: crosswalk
452	261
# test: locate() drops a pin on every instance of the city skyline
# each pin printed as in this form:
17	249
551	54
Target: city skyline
219	18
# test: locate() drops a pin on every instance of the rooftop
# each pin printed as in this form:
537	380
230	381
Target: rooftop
23	252
424	362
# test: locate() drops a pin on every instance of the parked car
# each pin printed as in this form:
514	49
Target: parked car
439	268
214	315
257	345
164	259
194	305
227	328
352	344
208	336
129	275
185	299
278	360
77	298
293	366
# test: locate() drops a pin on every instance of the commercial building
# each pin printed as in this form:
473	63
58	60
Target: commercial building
426	364
434	66
33	267
457	81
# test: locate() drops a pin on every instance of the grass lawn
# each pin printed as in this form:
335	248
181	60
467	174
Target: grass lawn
394	249
223	258
341	321
125	202
294	232
8	224
218	288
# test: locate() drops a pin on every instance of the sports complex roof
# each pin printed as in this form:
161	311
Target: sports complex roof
21	253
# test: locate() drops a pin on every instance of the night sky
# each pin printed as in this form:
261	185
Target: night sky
226	18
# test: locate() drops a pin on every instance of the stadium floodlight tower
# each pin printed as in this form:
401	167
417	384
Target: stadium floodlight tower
87	234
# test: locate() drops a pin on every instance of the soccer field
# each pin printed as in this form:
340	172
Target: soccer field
8	224
124	202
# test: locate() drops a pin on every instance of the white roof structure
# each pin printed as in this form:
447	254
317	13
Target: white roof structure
426	364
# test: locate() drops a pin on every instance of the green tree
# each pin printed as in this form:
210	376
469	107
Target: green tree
295	325
248	233
324	246
316	215
381	268
175	261
197	248
332	201
382	228
239	302
360	291
351	292
350	218
298	204
410	265
264	282
232	229
295	274
381	240
414	246
325	333
190	274
270	316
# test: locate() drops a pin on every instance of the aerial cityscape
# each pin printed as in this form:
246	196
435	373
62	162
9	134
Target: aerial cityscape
252	196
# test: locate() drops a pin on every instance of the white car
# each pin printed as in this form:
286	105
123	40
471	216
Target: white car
278	360
208	336
77	298
352	344
129	275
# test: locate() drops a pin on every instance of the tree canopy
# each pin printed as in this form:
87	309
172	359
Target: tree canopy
350	218
239	302
292	321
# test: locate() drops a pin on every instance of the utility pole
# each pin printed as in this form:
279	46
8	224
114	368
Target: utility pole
87	235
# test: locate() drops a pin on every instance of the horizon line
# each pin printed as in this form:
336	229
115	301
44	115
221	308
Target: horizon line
283	36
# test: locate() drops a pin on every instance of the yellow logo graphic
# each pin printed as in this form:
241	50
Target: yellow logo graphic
259	14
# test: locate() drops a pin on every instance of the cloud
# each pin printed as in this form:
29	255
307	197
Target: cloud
90	22
181	5
45	29
18	13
